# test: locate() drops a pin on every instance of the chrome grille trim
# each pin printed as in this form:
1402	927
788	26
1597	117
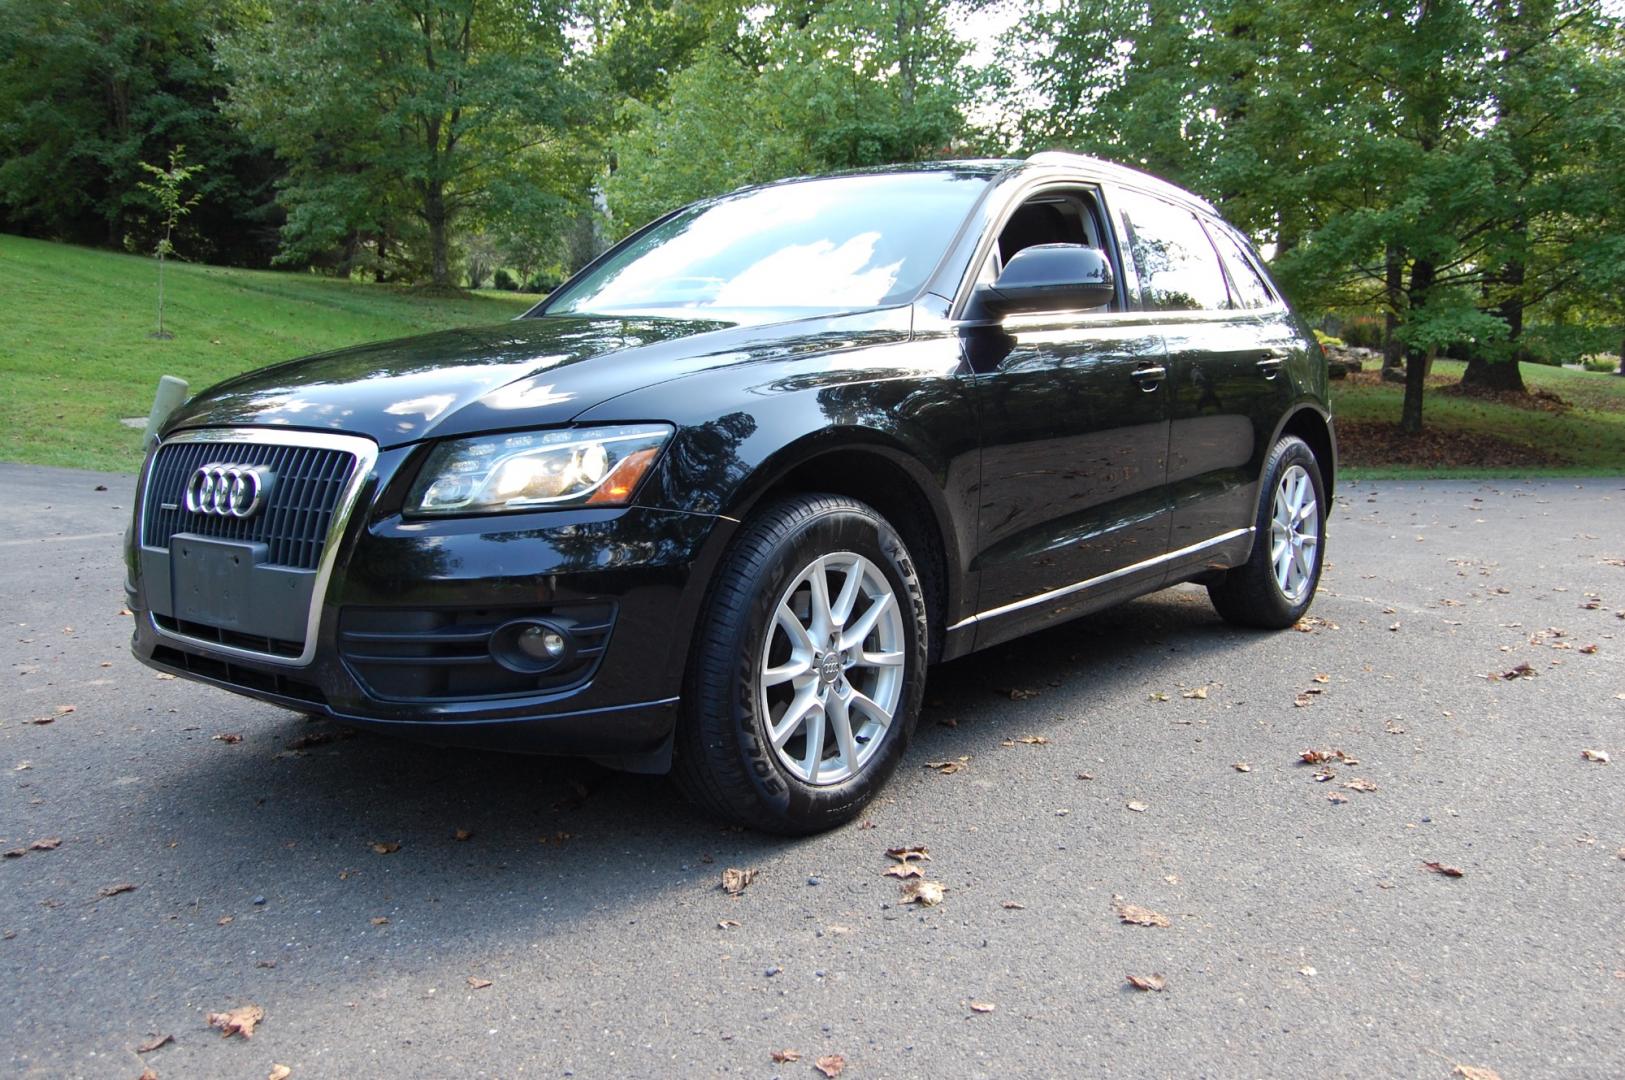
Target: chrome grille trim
365	454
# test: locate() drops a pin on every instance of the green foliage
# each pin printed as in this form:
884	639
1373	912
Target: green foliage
1329	340
781	91
1609	364
399	123
91	88
1363	330
167	189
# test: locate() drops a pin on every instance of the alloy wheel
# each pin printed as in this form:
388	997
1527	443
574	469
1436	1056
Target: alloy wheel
832	668
1294	533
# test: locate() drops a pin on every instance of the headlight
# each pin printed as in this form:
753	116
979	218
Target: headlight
579	467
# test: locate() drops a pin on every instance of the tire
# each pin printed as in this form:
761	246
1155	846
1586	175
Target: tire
1253	594
761	693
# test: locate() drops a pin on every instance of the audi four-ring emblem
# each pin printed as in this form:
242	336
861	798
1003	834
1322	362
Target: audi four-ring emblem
226	490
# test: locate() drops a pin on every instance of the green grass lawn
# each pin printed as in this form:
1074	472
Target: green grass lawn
76	355
1587	439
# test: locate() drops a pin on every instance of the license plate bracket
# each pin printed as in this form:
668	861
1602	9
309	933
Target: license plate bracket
212	581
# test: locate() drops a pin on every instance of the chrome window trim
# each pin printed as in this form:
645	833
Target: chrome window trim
1101	579
366	455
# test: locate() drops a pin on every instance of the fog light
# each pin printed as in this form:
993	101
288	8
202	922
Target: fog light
542	643
533	646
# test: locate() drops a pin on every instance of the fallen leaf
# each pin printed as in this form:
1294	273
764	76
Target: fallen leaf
1522	671
1011	905
1198	694
1393	727
947	768
239	1021
49	843
225	920
727	924
734	880
1157	695
1320	757
1599	756
1441	868
164	676
279	1072
148	1074
1138	807
154	1043
1475	1072
13	853
1034	740
904	854
1019	695
42	720
1309	971
982	1006
386	847
462	834
782	1056
1588	649
114	890
22	766
1360	784
1086	776
904	870
922	892
1303	701
229	738
1136	915
1337	797
1153	981
1322	677
63	710
1241	766
477	983
831	1065
1323	775
379	920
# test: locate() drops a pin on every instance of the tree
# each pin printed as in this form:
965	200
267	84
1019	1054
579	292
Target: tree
173	205
89	89
401	122
790	89
1400	154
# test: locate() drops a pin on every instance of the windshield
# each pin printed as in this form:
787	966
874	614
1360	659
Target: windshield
835	244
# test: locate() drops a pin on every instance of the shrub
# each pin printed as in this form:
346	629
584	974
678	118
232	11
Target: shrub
1328	340
1601	362
504	281
1363	331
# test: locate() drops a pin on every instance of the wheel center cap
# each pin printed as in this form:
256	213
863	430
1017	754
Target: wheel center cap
829	667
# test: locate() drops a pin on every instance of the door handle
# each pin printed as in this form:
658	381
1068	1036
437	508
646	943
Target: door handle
1269	364
1149	378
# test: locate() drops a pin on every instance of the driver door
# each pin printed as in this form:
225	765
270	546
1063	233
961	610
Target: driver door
1075	422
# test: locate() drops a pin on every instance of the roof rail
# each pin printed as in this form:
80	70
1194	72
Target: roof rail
1120	173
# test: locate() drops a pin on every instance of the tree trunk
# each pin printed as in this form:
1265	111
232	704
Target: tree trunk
1504	376
1500	376
1621	369
1393	349
434	212
1416	371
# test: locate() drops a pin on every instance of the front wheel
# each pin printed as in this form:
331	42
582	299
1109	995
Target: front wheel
806	679
1276	584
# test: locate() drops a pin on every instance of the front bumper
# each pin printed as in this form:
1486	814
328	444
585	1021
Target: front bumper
432	591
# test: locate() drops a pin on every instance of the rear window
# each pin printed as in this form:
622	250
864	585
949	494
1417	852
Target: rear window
1251	289
1179	270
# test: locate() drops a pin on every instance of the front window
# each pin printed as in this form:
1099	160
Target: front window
804	247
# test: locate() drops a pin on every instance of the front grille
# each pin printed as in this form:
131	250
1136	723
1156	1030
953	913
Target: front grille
445	655
294	522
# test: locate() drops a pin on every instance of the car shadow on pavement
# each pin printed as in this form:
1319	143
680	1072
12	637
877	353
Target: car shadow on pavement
362	826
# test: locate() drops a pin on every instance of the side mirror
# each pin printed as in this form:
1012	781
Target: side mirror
1047	277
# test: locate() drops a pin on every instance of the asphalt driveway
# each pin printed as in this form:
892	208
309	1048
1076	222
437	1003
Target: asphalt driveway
401	911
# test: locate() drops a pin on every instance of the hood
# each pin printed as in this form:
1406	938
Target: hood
525	373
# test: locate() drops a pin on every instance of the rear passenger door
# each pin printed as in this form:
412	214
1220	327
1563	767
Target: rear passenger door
1228	338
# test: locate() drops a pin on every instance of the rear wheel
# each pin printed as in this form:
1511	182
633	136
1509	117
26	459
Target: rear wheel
1277	583
806	679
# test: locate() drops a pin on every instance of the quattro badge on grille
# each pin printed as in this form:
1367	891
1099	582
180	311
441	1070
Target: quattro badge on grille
221	489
